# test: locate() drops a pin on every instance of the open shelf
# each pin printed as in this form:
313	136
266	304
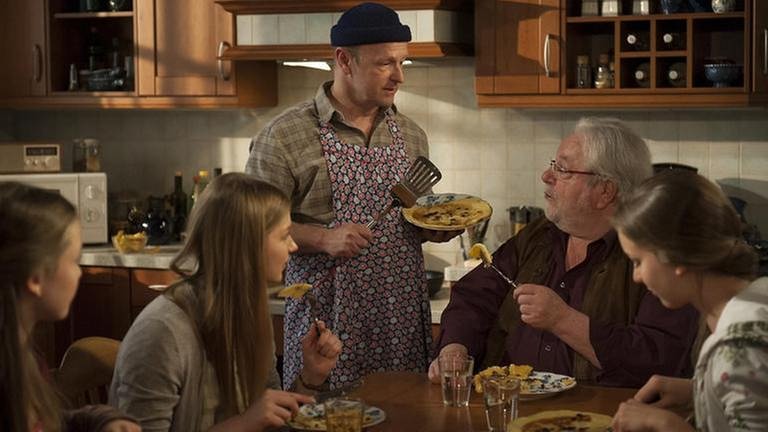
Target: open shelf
89	15
683	41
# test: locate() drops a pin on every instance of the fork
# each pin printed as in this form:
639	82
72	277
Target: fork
312	299
509	281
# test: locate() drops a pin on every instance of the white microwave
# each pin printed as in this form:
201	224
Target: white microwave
86	191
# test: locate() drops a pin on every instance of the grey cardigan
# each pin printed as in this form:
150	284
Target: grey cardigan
162	377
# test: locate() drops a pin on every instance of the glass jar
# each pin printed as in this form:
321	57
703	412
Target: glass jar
583	72
87	155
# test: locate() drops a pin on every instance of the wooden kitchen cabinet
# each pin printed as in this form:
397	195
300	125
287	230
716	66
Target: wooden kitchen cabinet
23	48
171	45
180	43
107	301
517	44
514	67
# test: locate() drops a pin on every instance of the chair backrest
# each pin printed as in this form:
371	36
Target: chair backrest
85	372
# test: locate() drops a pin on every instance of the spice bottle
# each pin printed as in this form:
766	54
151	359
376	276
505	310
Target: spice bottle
603	74
583	72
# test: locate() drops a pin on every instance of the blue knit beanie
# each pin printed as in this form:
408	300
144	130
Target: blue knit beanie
369	23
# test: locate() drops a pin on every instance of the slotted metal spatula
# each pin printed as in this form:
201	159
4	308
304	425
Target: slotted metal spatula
419	178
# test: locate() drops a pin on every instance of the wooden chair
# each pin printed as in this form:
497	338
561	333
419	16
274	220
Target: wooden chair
85	372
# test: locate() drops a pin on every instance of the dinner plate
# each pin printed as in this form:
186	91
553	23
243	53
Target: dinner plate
449	208
311	417
563	420
543	384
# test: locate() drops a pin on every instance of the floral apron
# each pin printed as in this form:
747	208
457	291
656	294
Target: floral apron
376	302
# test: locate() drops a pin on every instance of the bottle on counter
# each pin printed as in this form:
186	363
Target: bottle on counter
643	75
672	41
603	73
676	74
179	202
637	41
201	180
583	72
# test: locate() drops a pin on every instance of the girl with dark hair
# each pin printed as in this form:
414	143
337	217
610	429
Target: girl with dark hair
201	356
684	238
40	243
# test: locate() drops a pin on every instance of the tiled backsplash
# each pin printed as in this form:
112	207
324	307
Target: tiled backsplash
497	154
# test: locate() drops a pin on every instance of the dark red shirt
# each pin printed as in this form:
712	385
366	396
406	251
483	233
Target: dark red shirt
658	341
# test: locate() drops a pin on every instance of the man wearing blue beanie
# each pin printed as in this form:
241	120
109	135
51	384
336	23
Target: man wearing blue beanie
337	156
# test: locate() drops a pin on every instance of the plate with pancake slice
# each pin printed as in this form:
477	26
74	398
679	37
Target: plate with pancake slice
561	421
448	212
311	417
533	384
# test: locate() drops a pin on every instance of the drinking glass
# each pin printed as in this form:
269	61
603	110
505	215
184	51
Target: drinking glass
500	395
456	377
344	414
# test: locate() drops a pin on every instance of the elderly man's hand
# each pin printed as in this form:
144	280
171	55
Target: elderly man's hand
540	307
438	236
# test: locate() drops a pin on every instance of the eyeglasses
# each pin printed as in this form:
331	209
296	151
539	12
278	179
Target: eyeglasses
564	174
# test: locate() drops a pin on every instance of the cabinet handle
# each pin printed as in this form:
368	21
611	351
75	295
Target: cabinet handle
547	72
765	51
220	62
38	63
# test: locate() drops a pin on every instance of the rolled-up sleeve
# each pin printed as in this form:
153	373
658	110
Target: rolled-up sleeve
267	162
657	342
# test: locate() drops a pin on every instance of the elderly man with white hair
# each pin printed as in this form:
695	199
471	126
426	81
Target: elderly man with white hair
575	309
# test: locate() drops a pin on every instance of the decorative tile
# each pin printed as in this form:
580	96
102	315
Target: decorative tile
292	29
244	24
264	29
319	28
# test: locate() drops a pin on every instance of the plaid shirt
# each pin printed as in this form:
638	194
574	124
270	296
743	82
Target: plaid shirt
287	152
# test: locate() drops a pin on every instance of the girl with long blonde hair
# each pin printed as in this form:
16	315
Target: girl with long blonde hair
201	357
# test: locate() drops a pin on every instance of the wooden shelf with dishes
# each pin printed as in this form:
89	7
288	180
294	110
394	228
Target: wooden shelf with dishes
87	15
676	53
682	58
148	54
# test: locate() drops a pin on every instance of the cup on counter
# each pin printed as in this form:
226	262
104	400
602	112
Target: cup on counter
344	414
500	396
456	378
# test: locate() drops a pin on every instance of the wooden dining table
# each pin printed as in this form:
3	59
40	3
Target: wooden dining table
412	403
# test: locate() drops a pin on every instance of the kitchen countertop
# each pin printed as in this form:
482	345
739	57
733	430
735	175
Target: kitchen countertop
154	257
160	257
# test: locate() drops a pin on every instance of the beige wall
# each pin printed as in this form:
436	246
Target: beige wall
497	154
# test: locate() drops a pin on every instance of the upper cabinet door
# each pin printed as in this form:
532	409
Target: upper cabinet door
760	47
518	47
22	45
178	46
